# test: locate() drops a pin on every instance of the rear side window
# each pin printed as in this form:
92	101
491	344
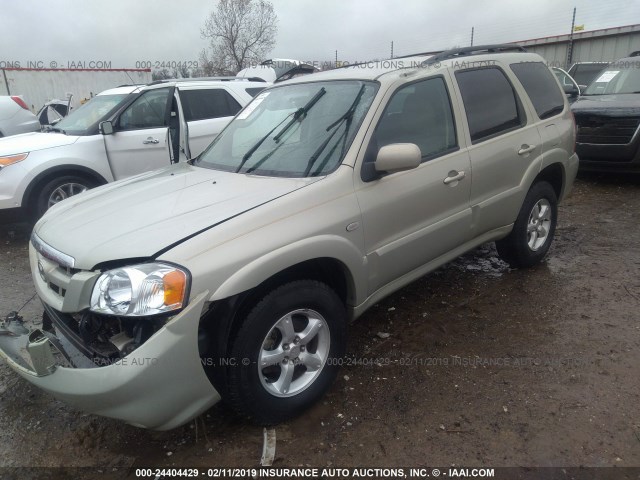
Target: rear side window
541	87
490	102
208	103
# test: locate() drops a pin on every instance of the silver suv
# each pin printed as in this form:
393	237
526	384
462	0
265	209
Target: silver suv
234	276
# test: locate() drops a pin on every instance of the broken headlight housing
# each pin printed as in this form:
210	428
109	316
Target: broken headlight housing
141	290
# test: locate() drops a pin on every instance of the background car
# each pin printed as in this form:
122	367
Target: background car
608	119
119	133
15	116
53	111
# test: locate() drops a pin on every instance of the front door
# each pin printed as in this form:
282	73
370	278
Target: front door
413	217
140	141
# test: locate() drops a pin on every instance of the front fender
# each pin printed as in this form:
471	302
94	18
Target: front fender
321	246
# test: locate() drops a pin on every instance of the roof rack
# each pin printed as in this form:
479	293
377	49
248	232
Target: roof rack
421	54
205	79
458	52
478	50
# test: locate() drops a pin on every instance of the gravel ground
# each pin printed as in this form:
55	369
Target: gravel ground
483	366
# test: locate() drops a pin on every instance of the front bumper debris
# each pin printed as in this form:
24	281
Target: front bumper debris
160	385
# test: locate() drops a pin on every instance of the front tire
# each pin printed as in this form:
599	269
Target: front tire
58	189
285	352
533	231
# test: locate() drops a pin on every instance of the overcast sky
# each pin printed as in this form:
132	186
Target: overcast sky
126	31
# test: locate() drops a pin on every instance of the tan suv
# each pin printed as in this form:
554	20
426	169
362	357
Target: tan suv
234	276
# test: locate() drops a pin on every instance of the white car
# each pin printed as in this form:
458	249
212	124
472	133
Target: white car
119	133
15	116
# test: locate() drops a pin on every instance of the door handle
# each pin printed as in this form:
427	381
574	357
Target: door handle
454	177
151	140
524	149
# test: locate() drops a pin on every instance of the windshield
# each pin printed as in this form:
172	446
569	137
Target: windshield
80	121
619	77
295	130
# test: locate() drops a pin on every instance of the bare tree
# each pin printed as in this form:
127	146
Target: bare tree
182	71
162	74
241	33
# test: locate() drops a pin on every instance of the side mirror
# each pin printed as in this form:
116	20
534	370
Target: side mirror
571	90
106	127
397	157
582	87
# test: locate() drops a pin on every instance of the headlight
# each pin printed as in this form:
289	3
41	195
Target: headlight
11	159
140	290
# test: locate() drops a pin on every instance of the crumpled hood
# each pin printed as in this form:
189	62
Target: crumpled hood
620	105
30	142
138	217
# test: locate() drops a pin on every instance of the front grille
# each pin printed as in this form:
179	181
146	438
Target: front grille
602	130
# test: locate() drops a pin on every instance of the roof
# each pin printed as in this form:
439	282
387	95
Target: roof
394	68
191	82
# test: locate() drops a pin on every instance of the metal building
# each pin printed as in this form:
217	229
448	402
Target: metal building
605	45
38	86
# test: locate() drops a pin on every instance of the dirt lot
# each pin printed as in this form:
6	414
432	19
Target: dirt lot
484	366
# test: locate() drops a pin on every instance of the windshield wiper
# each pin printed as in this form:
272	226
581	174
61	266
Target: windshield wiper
296	115
348	115
256	146
299	113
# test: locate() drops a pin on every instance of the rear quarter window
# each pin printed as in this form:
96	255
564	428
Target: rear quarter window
490	102
541	87
206	103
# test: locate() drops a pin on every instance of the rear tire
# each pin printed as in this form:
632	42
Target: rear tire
533	231
59	189
286	352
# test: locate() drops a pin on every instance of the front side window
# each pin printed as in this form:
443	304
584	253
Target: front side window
208	103
490	102
419	113
297	130
541	87
147	111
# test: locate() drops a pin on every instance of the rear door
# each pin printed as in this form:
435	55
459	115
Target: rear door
207	110
503	145
140	139
548	103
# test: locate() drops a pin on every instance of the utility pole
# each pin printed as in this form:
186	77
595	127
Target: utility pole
336	64
472	36
570	44
391	48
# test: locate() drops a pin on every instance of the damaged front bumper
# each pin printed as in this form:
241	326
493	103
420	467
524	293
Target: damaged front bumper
160	385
